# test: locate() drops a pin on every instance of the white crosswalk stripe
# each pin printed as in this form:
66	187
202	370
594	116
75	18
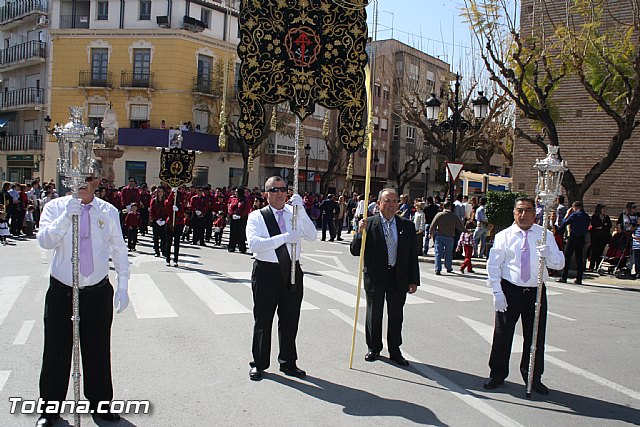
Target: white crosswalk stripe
147	300
24	332
4	376
572	288
10	289
212	295
480	287
353	280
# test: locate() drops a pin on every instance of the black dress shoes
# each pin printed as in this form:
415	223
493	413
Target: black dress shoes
255	374
371	356
46	421
561	280
492	383
540	388
399	359
292	370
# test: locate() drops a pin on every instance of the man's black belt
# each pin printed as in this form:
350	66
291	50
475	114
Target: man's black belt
523	289
58	284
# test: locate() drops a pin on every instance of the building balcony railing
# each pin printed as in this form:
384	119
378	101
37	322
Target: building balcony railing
74	21
20	54
206	86
14	10
91	79
130	79
25	97
27	142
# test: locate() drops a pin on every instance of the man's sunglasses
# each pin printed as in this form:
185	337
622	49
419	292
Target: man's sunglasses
277	189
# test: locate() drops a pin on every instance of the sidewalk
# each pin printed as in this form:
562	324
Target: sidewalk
589	279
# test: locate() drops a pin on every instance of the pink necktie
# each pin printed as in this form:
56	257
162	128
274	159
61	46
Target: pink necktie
85	251
281	223
525	260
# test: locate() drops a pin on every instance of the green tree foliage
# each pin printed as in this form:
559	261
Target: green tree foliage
499	208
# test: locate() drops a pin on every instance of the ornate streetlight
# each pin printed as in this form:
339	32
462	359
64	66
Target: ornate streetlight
456	123
75	164
550	173
307	152
376	162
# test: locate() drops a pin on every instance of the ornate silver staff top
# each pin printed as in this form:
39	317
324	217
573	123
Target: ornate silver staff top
75	141
550	173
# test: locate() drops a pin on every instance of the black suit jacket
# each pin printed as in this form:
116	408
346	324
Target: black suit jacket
375	254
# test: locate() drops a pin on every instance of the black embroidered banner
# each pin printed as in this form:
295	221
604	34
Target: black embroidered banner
176	166
306	52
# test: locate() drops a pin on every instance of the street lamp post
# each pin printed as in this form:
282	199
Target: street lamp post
455	123
426	183
307	152
376	162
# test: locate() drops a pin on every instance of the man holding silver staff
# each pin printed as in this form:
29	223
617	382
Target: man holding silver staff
270	235
512	268
100	238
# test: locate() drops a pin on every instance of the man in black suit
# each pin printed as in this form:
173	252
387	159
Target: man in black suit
329	209
390	271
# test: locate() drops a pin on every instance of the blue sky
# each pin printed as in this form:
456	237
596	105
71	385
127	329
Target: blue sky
433	26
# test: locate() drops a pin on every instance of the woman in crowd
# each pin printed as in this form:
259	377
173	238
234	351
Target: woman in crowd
600	235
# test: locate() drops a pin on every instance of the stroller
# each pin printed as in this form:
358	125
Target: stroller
615	259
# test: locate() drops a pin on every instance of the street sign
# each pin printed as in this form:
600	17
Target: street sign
284	172
454	169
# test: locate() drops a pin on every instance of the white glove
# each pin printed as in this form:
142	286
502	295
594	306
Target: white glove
199	213
500	301
176	208
234	216
121	300
161	222
543	251
292	236
296	200
74	207
174	189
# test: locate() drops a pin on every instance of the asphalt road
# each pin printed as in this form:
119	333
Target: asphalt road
185	344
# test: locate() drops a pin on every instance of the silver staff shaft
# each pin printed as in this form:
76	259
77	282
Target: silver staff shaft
75	318
294	224
536	319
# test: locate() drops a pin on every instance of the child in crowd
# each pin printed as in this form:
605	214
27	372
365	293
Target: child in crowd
30	223
132	223
465	244
218	228
4	228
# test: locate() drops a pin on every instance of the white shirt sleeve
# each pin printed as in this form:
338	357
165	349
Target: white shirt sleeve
495	262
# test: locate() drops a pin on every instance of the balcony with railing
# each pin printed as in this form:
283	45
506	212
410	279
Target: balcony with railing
74	21
23	54
16	10
27	97
99	80
29	142
131	80
206	86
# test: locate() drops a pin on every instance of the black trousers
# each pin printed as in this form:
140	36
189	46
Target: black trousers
197	224
327	222
159	239
132	238
521	304
237	234
96	315
271	294
144	218
575	244
338	226
375	307
208	225
598	242
173	239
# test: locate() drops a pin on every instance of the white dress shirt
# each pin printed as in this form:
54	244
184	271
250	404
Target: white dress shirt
106	241
264	246
505	255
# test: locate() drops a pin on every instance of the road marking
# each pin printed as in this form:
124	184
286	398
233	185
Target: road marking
147	300
478	288
353	280
453	388
574	288
4	376
337	263
445	293
329	252
593	377
209	293
10	289
24	332
560	316
333	293
245	279
486	332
